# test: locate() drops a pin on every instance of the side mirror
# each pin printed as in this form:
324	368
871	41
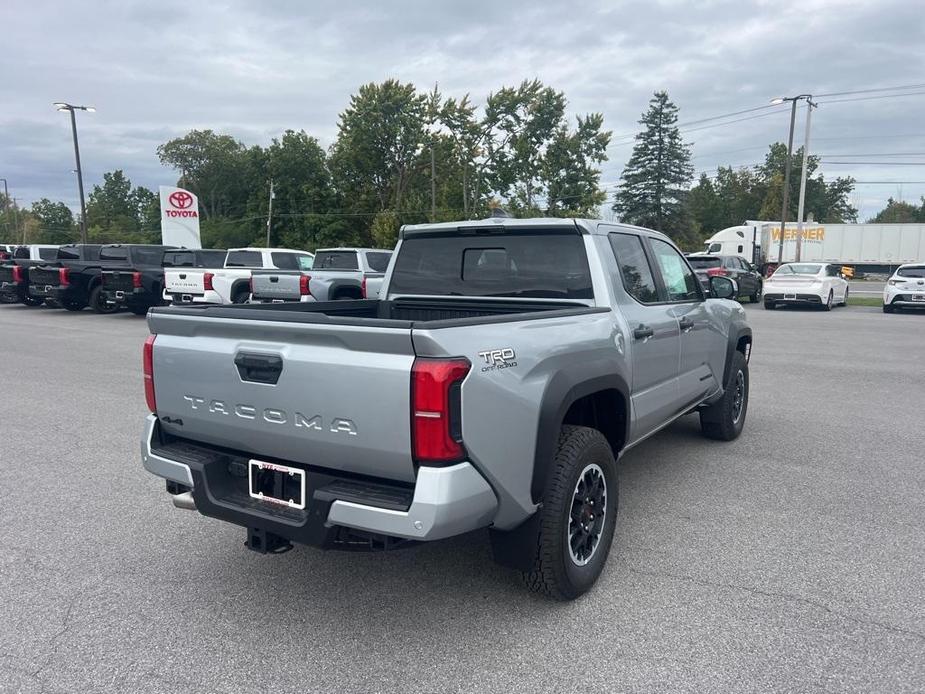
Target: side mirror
723	288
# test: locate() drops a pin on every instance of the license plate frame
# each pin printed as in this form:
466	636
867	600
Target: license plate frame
790	297
258	482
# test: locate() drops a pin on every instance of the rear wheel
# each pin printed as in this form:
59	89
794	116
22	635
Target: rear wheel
724	419
755	297
139	310
98	301
240	296
578	516
827	306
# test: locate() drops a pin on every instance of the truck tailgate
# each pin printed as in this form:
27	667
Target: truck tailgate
184	281
340	399
276	285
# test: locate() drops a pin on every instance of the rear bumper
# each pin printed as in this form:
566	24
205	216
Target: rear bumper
12	290
128	297
904	298
443	501
209	297
788	298
268	300
54	292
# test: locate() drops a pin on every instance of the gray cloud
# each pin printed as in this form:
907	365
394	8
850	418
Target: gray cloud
155	70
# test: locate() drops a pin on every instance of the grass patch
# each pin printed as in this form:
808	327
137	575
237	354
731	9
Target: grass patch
865	300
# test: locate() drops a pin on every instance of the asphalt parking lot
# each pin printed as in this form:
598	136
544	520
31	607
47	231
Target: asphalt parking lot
789	560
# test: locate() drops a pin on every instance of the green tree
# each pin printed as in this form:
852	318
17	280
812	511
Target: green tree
899	212
655	179
569	168
55	222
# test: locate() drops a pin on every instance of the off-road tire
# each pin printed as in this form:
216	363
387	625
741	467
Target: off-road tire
99	304
240	296
554	572
723	420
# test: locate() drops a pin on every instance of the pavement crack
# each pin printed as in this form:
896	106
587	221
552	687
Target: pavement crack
789	597
54	639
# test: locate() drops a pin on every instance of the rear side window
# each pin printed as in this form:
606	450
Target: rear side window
110	253
336	260
638	280
48	253
21	252
917	271
243	259
285	261
68	253
549	264
378	262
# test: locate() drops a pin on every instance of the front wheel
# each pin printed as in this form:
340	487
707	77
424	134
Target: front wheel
578	516
724	419
98	301
887	308
769	305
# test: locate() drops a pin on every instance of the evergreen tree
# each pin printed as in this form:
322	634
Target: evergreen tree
655	179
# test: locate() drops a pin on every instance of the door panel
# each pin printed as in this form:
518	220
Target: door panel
654	339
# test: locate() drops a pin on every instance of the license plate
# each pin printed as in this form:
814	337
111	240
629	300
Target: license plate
918	297
790	296
276	484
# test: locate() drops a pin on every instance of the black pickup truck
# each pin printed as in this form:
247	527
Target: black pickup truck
14	273
75	280
137	282
70	279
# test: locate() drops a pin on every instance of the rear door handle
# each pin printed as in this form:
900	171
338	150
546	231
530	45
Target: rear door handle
686	324
643	332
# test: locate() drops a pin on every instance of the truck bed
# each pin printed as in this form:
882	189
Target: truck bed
397	313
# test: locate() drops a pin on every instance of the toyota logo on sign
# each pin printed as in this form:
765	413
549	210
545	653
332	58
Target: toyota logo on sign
181	199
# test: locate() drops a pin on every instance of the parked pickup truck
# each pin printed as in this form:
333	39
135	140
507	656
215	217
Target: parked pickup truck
229	282
139	283
14	272
504	368
337	273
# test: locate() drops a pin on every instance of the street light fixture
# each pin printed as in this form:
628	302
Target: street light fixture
786	192
71	108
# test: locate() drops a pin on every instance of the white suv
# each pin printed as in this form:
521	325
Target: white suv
905	289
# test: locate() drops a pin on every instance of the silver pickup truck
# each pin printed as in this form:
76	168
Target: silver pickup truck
336	274
505	367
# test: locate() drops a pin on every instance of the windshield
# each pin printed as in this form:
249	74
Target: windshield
798	269
701	262
914	271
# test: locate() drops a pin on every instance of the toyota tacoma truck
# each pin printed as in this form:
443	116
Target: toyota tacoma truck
504	368
71	280
14	272
337	274
229	282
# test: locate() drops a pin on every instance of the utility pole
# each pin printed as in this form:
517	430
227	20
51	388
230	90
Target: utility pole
270	213
433	185
16	222
810	105
786	192
61	106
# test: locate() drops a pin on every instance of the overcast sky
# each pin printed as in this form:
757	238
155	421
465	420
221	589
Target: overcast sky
156	69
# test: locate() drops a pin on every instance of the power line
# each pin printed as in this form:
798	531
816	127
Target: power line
878	89
874	154
873	163
870	98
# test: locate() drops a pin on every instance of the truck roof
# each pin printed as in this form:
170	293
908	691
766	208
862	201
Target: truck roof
258	250
537	224
353	248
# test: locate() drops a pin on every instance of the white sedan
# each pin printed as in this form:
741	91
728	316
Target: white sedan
905	289
806	284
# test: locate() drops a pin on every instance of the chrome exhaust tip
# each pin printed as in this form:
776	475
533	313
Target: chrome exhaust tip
184	501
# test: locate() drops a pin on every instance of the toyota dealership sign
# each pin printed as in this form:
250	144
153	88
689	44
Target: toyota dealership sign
179	218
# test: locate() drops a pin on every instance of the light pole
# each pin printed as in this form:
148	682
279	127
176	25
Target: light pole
61	106
786	192
6	205
810	105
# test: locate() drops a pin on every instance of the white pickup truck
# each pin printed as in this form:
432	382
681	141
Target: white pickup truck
230	284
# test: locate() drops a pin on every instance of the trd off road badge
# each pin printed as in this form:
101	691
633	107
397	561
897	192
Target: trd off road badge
503	358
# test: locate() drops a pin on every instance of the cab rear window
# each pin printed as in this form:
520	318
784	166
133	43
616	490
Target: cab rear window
548	264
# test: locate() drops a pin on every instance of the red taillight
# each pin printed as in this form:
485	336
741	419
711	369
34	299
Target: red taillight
136	280
64	276
147	365
436	424
363	288
716	272
17	274
207	281
304	289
